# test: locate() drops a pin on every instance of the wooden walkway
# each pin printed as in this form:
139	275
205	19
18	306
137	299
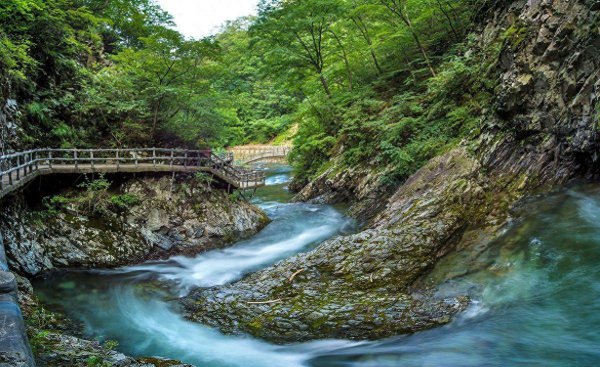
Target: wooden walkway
18	169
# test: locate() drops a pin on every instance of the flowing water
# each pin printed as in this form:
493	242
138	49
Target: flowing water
535	294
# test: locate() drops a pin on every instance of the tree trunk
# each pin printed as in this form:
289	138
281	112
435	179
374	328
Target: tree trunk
396	8
155	120
362	27
375	61
346	62
454	32
420	46
324	84
407	61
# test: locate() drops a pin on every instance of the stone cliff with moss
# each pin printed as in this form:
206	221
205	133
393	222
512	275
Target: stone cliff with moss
538	131
99	224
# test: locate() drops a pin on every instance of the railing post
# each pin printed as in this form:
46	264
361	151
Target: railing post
18	168
10	178
76	159
154	157
118	160
172	155
92	159
24	166
136	159
185	159
37	162
50	159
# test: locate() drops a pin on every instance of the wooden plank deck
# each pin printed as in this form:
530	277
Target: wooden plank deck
22	168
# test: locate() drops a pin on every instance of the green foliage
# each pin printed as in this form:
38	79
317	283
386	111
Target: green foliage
101	360
39	320
366	82
124	202
95	198
515	34
92	198
38	342
55	203
265	130
235	197
204	181
286	136
380	82
95	185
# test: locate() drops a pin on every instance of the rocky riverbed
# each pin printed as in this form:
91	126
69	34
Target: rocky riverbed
539	134
156	217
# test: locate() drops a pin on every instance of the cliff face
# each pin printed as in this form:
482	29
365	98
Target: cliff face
540	132
165	220
8	125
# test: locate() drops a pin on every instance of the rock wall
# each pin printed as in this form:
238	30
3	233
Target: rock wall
540	132
14	346
167	220
360	187
8	125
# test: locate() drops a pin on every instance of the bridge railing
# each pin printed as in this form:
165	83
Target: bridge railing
249	153
16	166
242	175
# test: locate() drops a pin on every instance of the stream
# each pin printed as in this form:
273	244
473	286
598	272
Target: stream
535	293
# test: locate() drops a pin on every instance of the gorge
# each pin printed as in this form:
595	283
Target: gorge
440	204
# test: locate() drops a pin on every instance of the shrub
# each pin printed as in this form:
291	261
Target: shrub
124	202
204	181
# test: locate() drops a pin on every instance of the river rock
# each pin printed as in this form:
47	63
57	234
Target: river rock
540	132
7	282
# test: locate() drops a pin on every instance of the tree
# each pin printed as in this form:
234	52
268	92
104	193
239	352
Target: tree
165	73
400	9
360	24
128	21
297	31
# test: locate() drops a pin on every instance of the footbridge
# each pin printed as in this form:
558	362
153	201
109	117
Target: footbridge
18	169
246	154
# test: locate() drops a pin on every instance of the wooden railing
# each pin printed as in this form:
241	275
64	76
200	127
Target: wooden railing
224	162
18	166
251	153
